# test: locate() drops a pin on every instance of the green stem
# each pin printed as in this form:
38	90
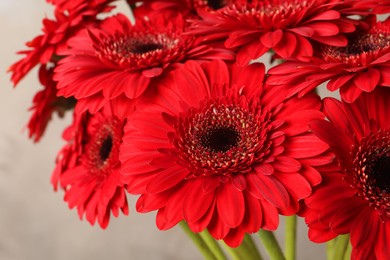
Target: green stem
198	241
247	250
291	237
330	249
271	245
212	245
348	251
340	247
248	241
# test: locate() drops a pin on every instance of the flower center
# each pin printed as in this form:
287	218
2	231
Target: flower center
220	139
211	4
102	150
363	48
144	47
136	50
216	4
381	173
105	148
371	173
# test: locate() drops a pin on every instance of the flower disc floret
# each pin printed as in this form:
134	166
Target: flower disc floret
221	138
371	168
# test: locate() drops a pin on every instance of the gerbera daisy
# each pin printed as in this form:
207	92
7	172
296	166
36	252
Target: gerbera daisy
288	27
45	103
220	152
119	59
359	67
88	167
357	201
46	47
170	8
87	7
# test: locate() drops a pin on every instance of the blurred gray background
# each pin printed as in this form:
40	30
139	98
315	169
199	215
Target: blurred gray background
35	223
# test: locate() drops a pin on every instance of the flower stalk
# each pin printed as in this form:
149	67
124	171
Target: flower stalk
199	242
291	237
247	250
271	245
212	245
341	247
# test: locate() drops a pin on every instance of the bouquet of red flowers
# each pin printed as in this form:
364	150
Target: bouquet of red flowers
173	105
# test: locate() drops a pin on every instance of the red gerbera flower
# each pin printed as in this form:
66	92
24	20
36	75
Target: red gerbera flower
121	60
45	103
86	7
358	200
356	68
68	20
88	167
170	8
220	152
286	26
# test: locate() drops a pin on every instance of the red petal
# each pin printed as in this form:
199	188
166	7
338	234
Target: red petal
153	72
166	178
198	202
270	39
264	168
253	218
239	182
286	164
234	237
269	188
270	216
342	219
305	146
136	86
250	52
364	229
296	184
339	81
230	205
287	45
368	80
202	223
217	228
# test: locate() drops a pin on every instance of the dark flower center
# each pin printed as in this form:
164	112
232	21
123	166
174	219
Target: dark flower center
381	173
105	148
220	139
140	48
102	150
137	50
216	4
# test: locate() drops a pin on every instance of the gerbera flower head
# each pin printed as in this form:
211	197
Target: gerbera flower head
288	27
220	152
85	7
70	17
88	167
120	60
359	135
359	67
170	8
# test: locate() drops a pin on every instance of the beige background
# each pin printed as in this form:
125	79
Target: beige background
35	223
